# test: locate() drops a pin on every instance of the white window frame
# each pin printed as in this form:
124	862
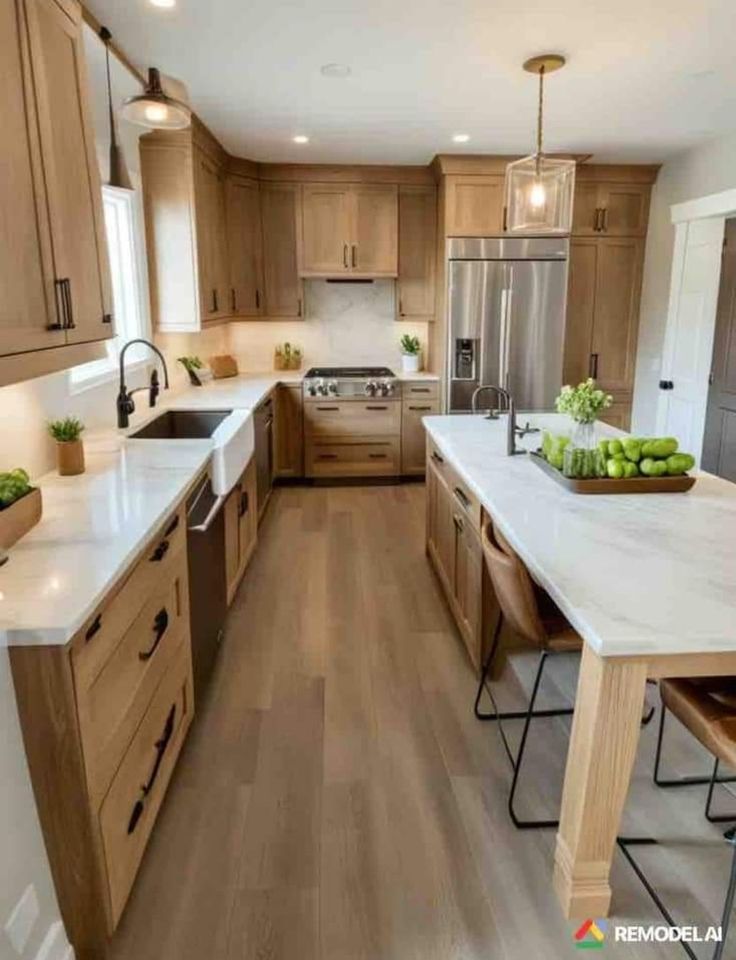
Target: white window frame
126	249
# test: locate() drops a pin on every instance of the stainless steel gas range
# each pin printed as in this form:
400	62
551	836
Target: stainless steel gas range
352	422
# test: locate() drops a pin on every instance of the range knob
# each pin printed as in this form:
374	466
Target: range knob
321	388
311	389
371	388
332	388
387	388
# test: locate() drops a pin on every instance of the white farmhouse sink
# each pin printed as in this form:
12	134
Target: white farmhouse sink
229	433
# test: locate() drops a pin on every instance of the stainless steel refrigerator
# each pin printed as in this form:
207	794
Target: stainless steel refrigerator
506	300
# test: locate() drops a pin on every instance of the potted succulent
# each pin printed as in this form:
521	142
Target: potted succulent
583	404
69	447
20	507
411	354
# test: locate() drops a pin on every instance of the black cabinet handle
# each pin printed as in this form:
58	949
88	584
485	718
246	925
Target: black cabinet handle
461	497
376	456
326	409
355	255
258	299
61	307
327	456
593	368
70	324
345	255
459	525
299	307
233	300
419	390
94	628
505	219
401	308
418	409
243	504
160	625
369	407
107	318
214	302
160	746
437	458
160	552
666	385
604	220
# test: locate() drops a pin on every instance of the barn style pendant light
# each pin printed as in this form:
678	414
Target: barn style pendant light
155	109
118	176
540	189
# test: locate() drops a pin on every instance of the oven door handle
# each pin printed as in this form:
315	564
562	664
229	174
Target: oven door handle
210	518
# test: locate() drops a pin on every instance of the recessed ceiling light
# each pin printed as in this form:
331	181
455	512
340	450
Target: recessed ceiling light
300	138
163	3
461	137
339	70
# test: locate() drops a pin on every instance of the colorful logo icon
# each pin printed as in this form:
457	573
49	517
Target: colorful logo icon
591	935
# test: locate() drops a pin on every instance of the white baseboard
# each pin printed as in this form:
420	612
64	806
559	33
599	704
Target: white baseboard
55	945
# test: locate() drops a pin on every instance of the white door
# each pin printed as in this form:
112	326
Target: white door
688	347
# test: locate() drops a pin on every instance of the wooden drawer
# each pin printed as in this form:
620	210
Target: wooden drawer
353	418
354	459
129	811
420	390
464	499
110	709
109	624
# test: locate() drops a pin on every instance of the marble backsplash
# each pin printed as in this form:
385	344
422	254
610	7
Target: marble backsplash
345	324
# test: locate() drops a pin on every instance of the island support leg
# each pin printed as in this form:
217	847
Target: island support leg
605	735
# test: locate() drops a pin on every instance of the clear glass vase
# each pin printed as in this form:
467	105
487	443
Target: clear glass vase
583	460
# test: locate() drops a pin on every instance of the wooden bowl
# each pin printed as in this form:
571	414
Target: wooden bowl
20	517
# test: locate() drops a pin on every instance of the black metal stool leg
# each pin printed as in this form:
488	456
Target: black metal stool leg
518	823
730	835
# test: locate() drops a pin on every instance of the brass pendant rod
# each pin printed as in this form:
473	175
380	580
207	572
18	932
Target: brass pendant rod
540	117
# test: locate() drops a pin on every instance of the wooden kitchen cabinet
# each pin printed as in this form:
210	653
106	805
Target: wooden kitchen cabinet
241	528
214	280
245	247
349	230
603	311
289	432
54	272
101	717
474	206
612	209
281	218
417	252
413	435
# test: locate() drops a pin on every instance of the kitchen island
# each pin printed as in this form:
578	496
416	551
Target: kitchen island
648	581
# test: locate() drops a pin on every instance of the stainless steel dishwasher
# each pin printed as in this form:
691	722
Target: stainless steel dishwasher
263	424
207	579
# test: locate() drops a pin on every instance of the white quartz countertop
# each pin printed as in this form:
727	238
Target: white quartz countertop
93	526
635	574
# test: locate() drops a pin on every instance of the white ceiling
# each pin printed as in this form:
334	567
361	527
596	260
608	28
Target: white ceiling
645	78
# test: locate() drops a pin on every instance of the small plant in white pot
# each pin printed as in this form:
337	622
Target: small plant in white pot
411	354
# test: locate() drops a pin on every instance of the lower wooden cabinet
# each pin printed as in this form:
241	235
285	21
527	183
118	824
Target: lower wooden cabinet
413	437
103	720
453	546
241	528
353	457
289	432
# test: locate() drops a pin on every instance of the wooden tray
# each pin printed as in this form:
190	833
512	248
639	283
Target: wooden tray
605	485
20	517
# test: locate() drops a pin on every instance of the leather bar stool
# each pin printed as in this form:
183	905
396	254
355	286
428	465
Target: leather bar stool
535	617
707	708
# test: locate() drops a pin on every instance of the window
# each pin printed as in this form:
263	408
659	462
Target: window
125	250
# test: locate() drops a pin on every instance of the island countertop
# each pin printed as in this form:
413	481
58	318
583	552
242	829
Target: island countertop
634	574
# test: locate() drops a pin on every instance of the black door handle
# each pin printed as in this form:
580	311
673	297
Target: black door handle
243	504
594	366
666	385
161	746
160	625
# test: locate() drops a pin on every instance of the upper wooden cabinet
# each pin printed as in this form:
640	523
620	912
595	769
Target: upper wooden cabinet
417	252
611	209
212	249
245	247
474	206
603	312
280	212
54	272
349	229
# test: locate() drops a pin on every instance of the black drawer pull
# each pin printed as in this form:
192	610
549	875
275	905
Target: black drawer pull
172	526
462	497
160	746
377	456
666	385
419	390
107	318
326	409
160	552
243	504
437	458
94	628
369	407
420	408
459	525
593	367
160	625
327	456
67	291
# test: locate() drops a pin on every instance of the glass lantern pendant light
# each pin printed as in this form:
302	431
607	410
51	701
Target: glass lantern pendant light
155	109
540	189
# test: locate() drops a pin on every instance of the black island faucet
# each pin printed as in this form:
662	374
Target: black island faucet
125	403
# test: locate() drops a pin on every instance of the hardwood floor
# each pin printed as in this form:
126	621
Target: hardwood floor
337	800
